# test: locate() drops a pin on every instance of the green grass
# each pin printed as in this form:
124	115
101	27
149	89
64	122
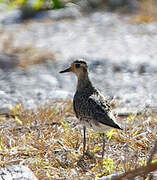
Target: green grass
37	5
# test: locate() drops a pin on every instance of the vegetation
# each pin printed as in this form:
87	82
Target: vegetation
37	4
28	55
144	12
49	141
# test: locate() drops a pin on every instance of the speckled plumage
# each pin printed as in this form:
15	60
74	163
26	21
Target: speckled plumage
91	108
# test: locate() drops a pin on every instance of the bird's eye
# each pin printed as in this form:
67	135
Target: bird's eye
77	65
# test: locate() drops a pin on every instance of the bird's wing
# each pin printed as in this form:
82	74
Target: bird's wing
102	110
97	108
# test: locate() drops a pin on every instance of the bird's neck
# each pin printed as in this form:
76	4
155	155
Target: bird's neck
84	83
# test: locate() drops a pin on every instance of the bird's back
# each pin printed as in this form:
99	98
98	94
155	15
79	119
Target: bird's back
92	109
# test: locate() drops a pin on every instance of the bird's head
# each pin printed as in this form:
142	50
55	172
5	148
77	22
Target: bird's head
79	67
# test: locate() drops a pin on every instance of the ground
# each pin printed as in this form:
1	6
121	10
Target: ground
121	53
49	141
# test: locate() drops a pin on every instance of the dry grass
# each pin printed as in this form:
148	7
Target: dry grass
147	12
27	55
49	141
31	56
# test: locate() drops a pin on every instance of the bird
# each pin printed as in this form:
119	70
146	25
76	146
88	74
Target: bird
90	106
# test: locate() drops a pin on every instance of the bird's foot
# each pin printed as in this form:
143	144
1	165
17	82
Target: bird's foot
88	155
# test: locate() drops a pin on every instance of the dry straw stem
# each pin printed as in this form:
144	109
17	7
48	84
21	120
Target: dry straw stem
137	172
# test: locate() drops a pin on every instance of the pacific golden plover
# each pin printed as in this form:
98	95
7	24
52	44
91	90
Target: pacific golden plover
91	107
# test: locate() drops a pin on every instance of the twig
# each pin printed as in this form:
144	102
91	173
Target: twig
137	172
154	150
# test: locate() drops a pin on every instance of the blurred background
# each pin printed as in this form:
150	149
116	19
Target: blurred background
38	38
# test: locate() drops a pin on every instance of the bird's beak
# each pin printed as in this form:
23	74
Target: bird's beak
66	70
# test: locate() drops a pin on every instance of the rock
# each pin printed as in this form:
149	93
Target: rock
27	12
3	95
61	94
8	61
49	79
117	53
4	111
16	172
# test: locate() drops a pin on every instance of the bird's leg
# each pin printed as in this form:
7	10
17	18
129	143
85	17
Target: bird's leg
84	139
103	146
